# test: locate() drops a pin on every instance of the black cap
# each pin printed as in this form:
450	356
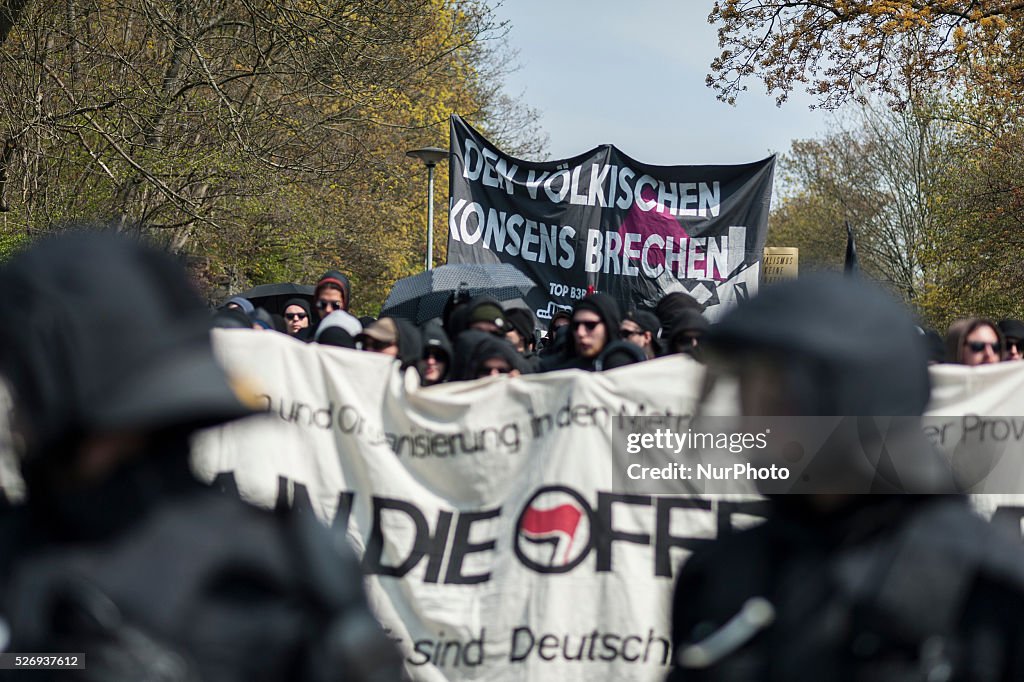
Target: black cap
1013	329
524	322
109	337
858	346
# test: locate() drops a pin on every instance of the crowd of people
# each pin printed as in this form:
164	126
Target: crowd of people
595	335
478	336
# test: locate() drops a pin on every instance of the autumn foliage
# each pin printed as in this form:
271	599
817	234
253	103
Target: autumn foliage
264	140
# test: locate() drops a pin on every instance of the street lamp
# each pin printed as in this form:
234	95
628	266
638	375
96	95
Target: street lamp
430	156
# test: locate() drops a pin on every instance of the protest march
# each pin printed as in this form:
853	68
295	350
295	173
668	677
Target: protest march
635	421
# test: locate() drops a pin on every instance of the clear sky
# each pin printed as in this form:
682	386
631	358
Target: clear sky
631	73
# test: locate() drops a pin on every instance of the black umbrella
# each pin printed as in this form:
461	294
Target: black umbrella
423	296
272	297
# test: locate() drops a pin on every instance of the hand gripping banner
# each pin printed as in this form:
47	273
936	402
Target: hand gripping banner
601	219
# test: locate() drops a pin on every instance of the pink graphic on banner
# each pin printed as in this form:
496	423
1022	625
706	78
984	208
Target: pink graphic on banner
658	221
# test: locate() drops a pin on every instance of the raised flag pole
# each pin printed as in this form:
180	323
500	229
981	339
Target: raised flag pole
850	266
430	156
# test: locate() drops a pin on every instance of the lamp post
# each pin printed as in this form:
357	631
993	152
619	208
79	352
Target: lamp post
430	156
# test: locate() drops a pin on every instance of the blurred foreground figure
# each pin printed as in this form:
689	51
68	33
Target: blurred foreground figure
838	586
119	553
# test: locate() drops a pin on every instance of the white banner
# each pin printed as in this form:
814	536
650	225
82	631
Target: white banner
483	512
494	545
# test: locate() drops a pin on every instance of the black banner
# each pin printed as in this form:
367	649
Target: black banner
601	219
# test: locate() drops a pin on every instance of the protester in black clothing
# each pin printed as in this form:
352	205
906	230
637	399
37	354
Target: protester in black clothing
521	333
560	319
883	587
641	327
119	552
297	317
338	329
262	320
451	318
240	303
592	342
480	354
685	334
333	292
485	314
437	354
673	305
1013	333
231	318
554	343
395	337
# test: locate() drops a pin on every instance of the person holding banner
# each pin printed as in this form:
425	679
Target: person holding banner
836	585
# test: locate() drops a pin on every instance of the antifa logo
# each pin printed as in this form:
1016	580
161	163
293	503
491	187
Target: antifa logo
553	532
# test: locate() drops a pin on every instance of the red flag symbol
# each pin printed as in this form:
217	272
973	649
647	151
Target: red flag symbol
564	518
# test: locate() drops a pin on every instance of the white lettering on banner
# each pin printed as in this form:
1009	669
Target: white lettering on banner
575	197
533	181
595	184
688	195
471	235
592	261
495	231
644	204
630	254
703	258
473	161
598	175
626	176
488	178
611	252
563	186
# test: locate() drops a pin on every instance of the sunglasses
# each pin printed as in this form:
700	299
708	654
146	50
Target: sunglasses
1014	344
626	333
294	316
980	346
589	325
324	304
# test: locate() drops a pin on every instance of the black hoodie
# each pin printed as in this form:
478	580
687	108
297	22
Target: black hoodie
336	278
410	343
607	308
434	339
473	347
850	586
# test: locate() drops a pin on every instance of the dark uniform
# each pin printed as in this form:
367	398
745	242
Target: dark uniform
849	587
118	552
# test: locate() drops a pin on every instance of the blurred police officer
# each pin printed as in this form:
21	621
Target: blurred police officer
838	586
118	552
